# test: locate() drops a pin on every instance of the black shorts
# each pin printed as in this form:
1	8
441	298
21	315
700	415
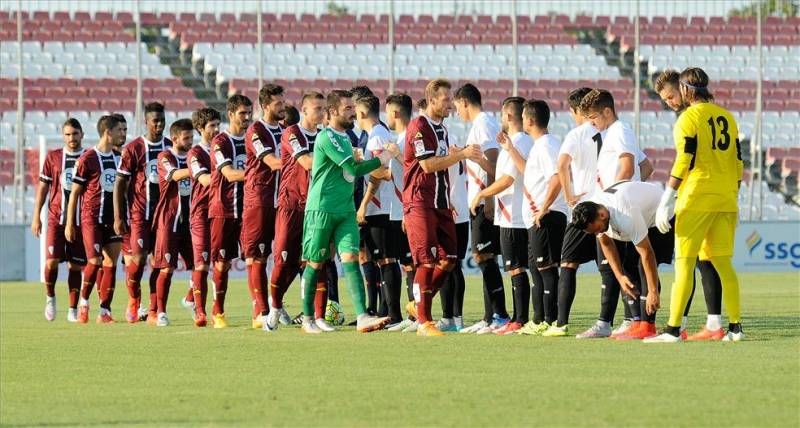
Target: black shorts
628	257
663	244
403	250
485	235
544	243
379	238
579	247
462	239
514	247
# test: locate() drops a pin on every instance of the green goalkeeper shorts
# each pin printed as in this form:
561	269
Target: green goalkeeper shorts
321	229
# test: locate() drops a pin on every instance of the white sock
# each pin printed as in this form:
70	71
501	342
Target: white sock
308	319
603	324
104	311
714	322
684	323
51	299
459	322
83	302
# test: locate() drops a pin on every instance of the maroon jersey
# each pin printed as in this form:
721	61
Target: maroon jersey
199	162
57	171
138	163
425	139
225	198
172	210
293	189
96	172
260	181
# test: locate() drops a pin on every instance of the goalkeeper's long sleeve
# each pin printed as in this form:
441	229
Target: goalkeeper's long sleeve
358	169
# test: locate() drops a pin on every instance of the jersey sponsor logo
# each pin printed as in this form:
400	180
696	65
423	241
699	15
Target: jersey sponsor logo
185	187
482	245
152	170
107	178
239	161
66	178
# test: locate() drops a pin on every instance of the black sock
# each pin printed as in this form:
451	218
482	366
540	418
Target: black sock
691	297
712	287
537	295
460	289
675	331
626	307
632	305
609	295
735	327
494	284
550	280
383	307
487	296
446	296
392	280
410	284
520	285
370	277
333	281
566	294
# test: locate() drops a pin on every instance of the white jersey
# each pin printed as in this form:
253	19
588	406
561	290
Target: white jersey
483	133
618	139
581	144
510	203
396	166
541	166
381	203
632	209
457	174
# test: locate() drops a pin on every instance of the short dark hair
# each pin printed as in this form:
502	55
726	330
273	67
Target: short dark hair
72	122
584	214
120	117
422	104
666	77
237	100
179	126
539	111
403	102
334	98
469	93
576	96
268	91
203	116
515	105
361	91
311	95
153	107
597	100
107	122
373	105
292	115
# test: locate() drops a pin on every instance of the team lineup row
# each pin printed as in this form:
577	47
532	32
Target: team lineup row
403	202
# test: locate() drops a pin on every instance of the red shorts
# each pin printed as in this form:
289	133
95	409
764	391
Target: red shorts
138	239
201	240
97	236
431	234
169	245
225	238
258	229
58	248
288	236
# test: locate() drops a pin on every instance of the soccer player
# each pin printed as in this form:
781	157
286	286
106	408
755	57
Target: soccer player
485	235
291	116
56	179
509	189
668	88
262	166
544	213
206	121
297	147
426	199
398	114
626	212
228	160
330	220
705	177
93	184
135	198
171	217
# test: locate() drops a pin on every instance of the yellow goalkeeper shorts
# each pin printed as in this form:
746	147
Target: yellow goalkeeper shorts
705	233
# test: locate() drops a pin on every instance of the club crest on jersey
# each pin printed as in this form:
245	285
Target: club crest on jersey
205	255
322	252
284	255
50	249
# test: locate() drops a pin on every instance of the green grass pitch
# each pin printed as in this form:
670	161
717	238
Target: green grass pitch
61	374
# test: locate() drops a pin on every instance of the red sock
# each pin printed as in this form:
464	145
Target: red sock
163	282
106	287
90	273
153	290
423	279
320	299
258	272
74	286
50	278
133	281
190	293
277	296
200	285
220	288
99	280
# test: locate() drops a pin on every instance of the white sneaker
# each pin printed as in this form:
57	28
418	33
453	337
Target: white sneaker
367	323
189	306
310	327
412	328
284	317
162	320
446	324
623	328
402	325
323	325
50	309
663	338
72	315
271	323
733	337
143	311
475	327
597	331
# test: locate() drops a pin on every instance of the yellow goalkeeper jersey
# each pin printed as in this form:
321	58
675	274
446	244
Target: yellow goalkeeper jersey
708	160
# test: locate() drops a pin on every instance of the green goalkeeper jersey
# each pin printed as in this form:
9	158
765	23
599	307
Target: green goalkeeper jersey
333	173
